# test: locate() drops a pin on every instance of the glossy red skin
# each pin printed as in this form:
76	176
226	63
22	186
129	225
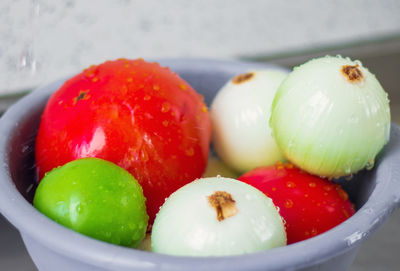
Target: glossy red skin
136	114
309	205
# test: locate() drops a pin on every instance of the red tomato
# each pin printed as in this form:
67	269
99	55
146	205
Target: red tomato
136	114
310	205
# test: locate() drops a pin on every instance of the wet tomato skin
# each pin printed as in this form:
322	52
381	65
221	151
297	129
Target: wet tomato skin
309	205
136	114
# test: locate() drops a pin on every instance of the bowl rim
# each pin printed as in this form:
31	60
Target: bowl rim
383	199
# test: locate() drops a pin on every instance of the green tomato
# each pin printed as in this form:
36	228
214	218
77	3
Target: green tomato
96	198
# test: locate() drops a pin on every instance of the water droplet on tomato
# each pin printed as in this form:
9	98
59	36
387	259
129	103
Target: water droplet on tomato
290	184
288	203
342	194
144	156
314	231
279	165
189	152
165	107
91	72
124	89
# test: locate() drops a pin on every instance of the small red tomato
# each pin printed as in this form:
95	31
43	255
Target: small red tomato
136	114
310	205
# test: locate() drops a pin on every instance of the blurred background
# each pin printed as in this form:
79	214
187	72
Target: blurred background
43	40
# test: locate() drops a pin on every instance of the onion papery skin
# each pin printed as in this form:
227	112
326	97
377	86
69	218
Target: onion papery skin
326	124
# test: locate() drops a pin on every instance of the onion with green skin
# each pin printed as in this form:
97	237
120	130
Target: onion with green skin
217	217
240	114
331	117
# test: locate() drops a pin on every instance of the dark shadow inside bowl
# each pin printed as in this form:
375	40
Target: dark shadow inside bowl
21	153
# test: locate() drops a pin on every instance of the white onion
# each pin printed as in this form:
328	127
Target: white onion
189	223
331	117
240	115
